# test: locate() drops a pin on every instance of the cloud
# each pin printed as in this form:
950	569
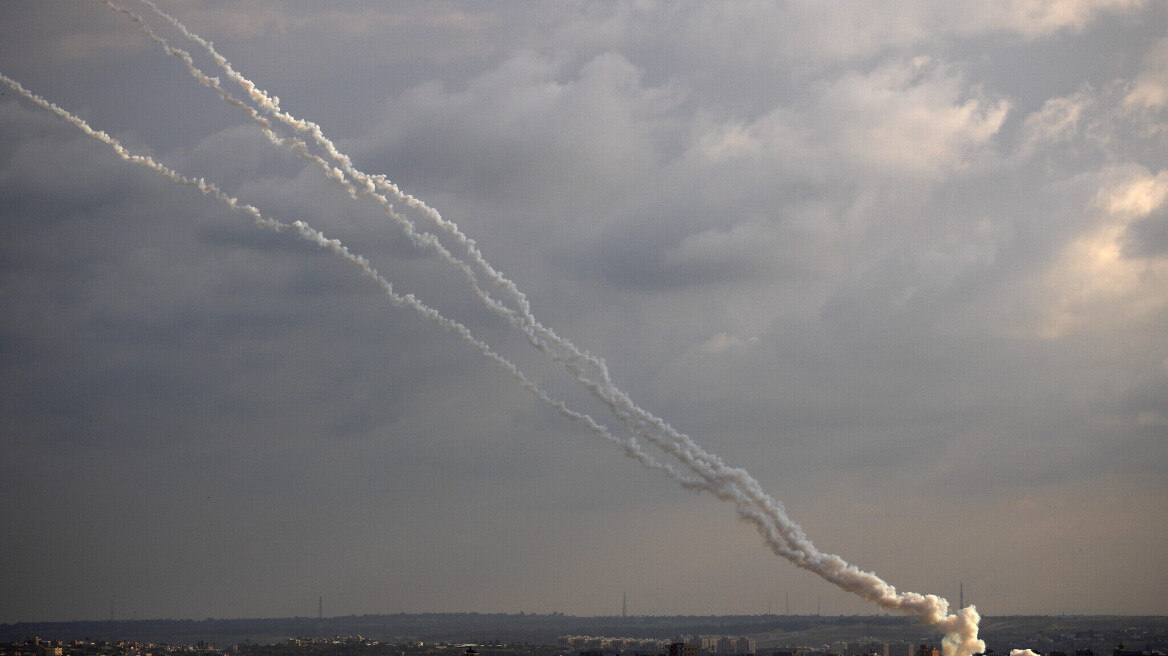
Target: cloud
1058	121
911	254
1096	284
1149	91
908	117
1035	18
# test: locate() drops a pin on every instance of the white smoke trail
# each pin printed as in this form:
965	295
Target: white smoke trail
424	239
545	339
366	185
783	535
306	232
1023	652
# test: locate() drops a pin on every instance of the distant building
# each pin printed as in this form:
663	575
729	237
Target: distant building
681	649
901	649
746	646
926	650
869	648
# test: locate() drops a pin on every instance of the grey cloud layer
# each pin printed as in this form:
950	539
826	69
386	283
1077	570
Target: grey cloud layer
907	263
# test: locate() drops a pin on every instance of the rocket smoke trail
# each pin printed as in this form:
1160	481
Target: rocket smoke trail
543	338
731	484
304	231
782	534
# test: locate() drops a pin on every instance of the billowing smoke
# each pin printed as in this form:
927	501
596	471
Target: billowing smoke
699	469
1022	652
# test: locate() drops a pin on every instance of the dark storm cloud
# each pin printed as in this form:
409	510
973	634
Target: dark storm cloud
906	261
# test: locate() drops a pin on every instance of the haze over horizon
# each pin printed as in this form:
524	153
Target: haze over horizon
906	263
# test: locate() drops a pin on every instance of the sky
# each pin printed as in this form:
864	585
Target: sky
905	262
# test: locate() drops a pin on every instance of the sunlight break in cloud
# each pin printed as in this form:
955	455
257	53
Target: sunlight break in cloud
1095	284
